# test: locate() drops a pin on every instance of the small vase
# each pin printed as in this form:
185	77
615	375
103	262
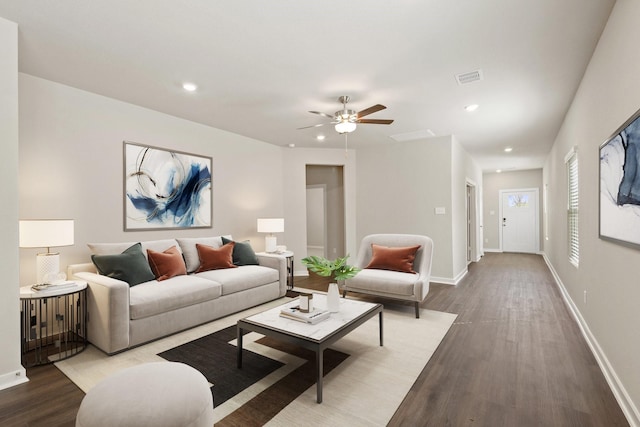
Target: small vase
333	298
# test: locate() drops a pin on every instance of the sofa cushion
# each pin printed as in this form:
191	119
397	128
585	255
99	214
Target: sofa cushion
188	247
154	297
166	264
241	278
393	258
129	266
243	253
215	258
116	248
384	282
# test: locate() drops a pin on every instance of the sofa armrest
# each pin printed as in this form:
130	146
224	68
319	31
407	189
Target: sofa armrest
278	262
107	308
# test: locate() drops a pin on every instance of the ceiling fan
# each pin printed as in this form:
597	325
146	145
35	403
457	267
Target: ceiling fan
346	120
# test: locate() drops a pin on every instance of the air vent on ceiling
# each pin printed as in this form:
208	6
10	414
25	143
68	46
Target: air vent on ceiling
470	77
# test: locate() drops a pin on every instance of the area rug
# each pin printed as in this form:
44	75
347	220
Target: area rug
363	387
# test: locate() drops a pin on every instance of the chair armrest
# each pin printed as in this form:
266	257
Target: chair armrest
108	310
278	262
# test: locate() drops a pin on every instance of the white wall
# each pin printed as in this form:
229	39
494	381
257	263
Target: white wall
11	372
463	169
295	227
492	184
399	187
71	166
608	95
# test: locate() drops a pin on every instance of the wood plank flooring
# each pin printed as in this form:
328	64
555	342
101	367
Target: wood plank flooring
514	357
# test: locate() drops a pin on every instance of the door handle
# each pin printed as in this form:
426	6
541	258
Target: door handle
504	222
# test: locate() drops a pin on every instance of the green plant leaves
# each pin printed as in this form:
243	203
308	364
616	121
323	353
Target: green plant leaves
326	268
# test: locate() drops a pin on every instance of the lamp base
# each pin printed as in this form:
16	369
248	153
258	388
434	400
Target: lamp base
270	244
47	266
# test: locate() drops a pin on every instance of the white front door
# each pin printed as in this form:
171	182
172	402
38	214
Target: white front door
519	220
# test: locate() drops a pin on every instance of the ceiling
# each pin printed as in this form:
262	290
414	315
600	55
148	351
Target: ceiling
260	66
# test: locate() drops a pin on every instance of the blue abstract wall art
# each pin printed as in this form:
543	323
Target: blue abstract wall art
165	189
620	185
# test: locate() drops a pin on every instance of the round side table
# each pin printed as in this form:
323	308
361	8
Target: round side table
53	323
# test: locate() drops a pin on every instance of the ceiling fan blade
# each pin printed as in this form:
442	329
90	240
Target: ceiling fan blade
314	126
375	121
371	110
322	114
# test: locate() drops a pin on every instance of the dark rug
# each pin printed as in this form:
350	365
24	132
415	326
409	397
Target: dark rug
217	360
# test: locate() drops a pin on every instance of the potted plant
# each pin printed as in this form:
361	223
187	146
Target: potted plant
337	269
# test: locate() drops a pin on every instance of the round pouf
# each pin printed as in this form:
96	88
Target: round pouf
153	394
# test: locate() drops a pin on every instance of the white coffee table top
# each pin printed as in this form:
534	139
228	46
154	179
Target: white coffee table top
349	310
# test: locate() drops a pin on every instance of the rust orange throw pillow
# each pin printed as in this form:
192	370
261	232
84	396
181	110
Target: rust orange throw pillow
166	264
214	259
396	259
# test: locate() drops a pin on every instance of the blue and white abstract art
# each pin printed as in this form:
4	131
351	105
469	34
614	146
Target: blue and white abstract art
620	185
165	189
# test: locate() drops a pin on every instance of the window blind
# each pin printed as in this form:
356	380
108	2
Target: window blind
572	207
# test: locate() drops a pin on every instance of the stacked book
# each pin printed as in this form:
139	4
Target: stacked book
311	317
62	284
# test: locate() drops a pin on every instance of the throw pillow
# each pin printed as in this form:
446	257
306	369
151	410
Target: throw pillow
166	264
243	253
395	259
215	258
130	266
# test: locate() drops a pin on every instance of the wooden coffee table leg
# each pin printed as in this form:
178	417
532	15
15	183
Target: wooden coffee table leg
319	374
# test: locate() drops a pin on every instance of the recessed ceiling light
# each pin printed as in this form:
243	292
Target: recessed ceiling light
189	87
320	137
471	107
292	145
498	170
508	149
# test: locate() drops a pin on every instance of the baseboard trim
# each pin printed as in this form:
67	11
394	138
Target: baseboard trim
624	400
450	281
13	378
492	250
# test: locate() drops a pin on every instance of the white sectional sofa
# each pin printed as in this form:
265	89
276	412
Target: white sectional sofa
123	316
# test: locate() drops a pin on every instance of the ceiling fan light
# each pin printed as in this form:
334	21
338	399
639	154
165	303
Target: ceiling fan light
345	127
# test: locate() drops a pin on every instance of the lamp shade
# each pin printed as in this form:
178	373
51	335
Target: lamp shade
270	225
45	233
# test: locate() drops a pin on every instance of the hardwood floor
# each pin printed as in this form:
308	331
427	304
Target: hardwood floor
514	357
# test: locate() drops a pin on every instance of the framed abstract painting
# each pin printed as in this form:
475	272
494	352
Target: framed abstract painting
166	189
620	185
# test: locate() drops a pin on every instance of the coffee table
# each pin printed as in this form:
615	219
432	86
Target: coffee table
316	337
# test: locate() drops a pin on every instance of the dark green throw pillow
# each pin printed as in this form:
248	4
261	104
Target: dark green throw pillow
243	253
130	266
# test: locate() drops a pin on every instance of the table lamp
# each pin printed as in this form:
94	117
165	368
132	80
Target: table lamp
46	233
270	225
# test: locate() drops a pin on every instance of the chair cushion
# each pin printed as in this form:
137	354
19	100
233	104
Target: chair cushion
166	264
393	258
384	282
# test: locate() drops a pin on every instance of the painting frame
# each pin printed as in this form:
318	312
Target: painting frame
619	185
165	189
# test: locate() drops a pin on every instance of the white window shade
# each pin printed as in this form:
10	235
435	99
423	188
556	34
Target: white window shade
572	207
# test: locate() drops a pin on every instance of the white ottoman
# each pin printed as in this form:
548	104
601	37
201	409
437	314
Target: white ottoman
153	394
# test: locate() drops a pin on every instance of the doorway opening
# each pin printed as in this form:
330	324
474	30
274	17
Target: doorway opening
325	211
473	252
